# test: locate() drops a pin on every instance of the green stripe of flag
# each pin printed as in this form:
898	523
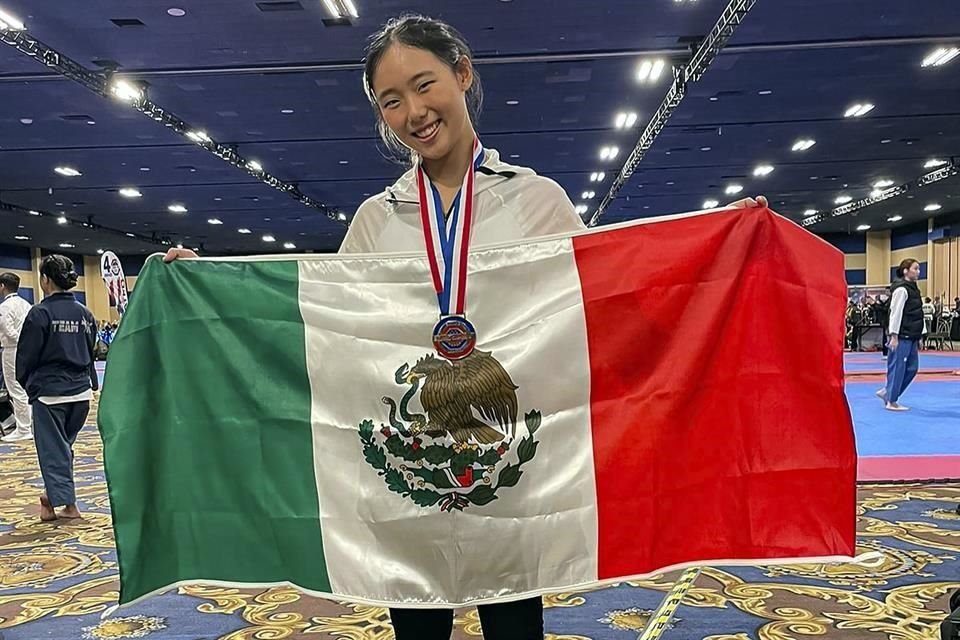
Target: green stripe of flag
219	484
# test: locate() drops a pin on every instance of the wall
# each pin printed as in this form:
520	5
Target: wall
910	242
854	247
19	260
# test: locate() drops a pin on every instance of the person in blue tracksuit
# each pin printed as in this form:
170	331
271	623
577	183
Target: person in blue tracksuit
55	365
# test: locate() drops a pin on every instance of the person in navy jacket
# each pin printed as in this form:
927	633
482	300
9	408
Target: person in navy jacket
56	367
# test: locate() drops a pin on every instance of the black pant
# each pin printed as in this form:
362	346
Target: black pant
520	620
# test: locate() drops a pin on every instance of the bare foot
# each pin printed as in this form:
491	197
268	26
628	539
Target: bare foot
70	512
47	514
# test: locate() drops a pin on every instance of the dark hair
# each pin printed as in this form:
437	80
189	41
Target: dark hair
59	269
10	280
431	35
905	266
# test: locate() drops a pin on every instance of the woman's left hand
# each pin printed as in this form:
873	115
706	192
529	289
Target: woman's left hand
749	203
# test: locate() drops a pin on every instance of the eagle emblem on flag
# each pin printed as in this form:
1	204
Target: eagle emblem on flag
458	452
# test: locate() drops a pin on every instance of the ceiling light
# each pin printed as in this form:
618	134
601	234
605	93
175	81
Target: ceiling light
130	235
214	221
128	192
21	237
198	136
7	21
863	227
34	213
177	208
876	193
933	206
609	153
882	184
581	209
933	163
341	8
126	91
587	195
763	170
842	200
894	218
940	57
243	230
342	217
69	172
803	144
67	245
62	220
99	252
810	212
286	112
289	245
597	176
513	103
176	12
765	92
650	70
710	204
253	165
269	238
733	189
858	110
625	120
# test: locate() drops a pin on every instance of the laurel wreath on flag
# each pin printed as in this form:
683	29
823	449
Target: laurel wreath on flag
415	481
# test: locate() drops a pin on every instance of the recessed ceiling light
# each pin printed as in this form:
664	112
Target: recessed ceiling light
253	165
344	162
144	169
933	163
810	212
581	209
269	238
933	206
609	153
803	144
91	122
26	120
69	172
62	220
214	221
513	103
129	192
587	195
765	92
67	245
842	200
714	98
763	170
341	8
597	176
625	120
243	230
514	155
177	208
286	112
894	218
705	148
100	252
342	217
650	71
733	189
710	204
176	12
882	184
940	57
34	213
7	21
858	110
863	227
21	237
289	245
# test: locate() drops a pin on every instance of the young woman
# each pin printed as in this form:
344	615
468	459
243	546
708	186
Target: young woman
55	365
426	97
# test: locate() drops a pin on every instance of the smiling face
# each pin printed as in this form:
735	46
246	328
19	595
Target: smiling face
423	100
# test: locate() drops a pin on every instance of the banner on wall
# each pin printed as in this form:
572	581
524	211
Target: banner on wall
112	273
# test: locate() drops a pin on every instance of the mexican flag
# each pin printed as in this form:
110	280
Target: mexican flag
643	396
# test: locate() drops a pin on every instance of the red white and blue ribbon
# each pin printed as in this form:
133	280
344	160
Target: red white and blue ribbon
447	238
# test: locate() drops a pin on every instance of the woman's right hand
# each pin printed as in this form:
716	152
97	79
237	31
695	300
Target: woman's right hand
176	254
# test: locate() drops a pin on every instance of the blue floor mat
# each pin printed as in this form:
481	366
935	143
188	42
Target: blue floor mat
931	427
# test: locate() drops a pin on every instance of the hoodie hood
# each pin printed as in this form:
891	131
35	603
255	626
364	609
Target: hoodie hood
492	172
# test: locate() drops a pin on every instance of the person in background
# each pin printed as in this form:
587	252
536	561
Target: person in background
55	365
13	311
929	313
905	329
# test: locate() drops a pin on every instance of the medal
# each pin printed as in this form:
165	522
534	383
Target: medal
447	242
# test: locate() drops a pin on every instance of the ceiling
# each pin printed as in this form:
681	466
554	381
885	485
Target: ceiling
232	67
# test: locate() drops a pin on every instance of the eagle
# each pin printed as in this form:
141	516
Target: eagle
451	390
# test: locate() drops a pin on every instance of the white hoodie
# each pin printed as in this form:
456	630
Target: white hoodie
511	203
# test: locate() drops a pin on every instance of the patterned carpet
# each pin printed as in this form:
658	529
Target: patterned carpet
56	580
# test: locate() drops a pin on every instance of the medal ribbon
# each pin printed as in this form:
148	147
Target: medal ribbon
448	239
